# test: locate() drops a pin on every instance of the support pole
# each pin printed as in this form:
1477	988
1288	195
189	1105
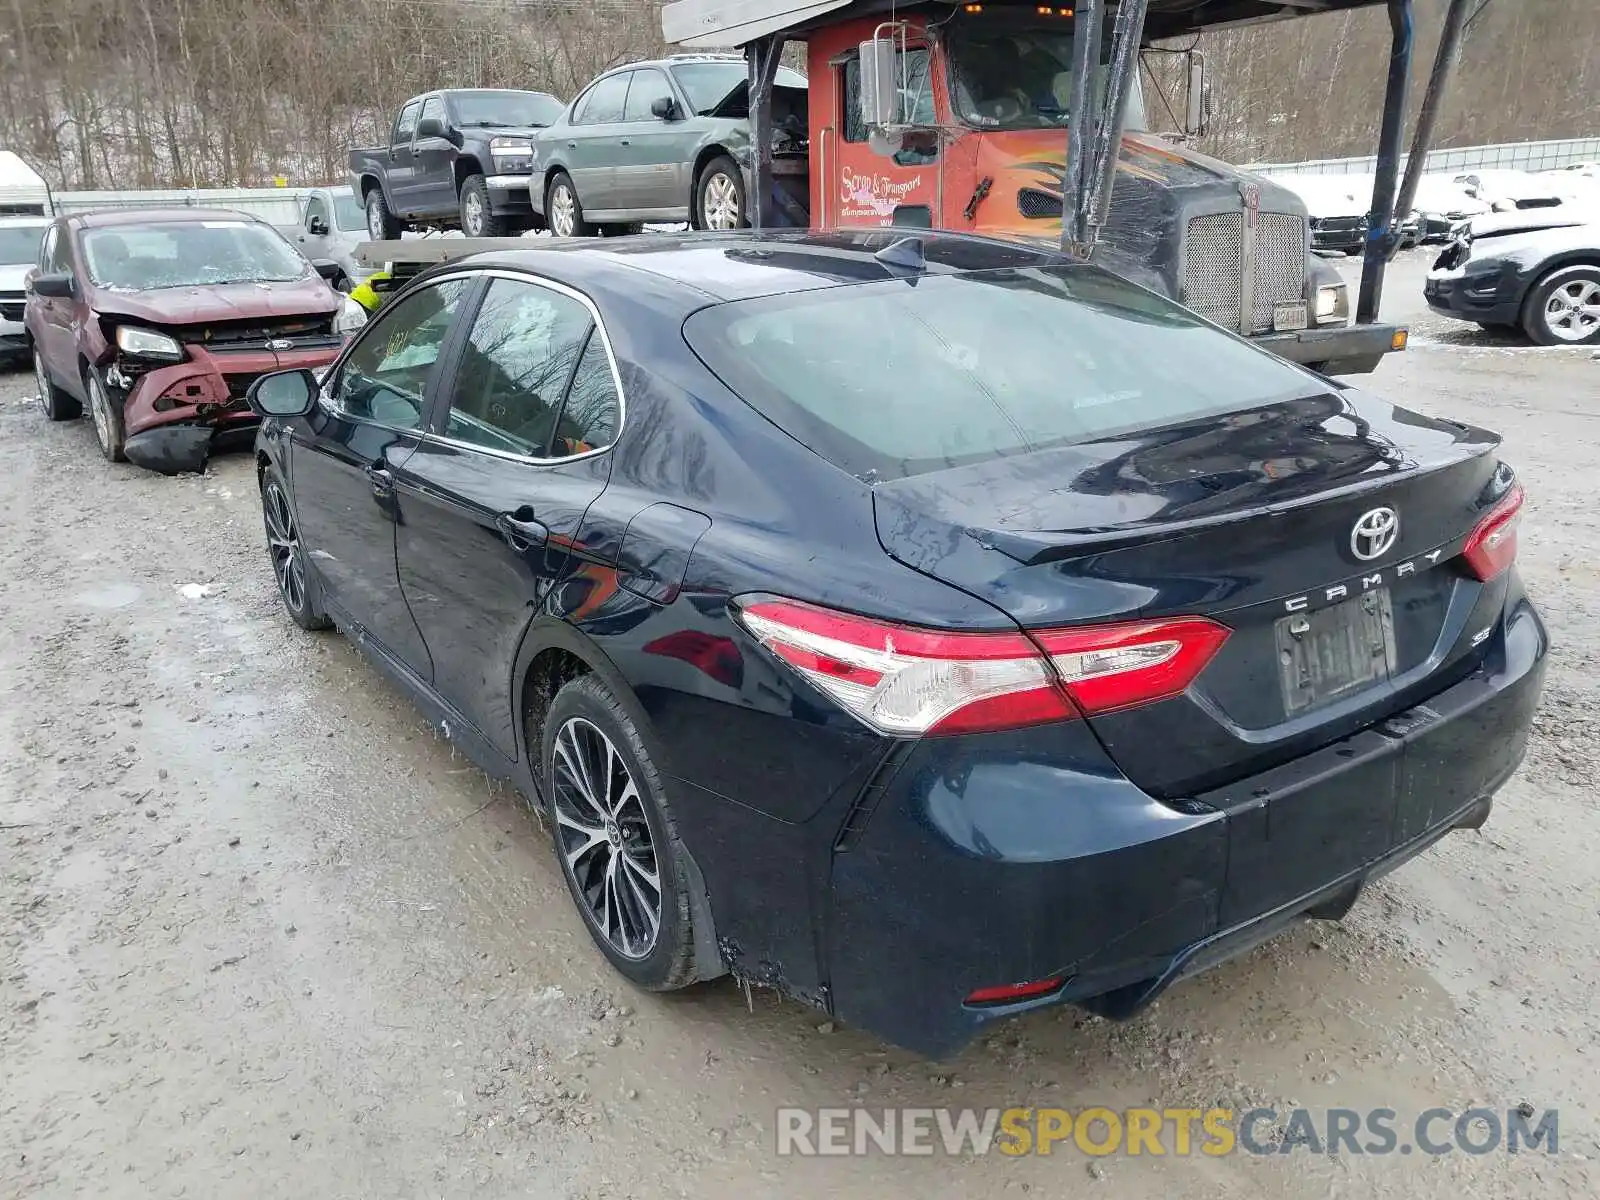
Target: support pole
762	56
1381	235
1444	62
1077	194
1126	35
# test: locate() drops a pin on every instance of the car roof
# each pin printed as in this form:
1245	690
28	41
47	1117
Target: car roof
704	267
155	216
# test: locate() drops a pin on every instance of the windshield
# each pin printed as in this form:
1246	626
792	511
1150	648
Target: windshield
20	243
348	213
487	108
707	84
189	254
1010	77
889	379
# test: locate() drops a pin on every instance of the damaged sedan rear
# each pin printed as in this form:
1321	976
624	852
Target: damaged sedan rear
158	322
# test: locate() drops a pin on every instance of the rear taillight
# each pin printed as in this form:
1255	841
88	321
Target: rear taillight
1492	545
907	681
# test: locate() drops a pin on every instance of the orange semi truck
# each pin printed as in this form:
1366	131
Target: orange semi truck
956	115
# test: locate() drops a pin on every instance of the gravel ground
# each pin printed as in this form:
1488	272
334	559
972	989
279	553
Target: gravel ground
265	935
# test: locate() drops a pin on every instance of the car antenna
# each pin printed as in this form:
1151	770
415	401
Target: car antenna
905	253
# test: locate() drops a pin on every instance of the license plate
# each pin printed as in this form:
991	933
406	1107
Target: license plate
1289	316
1325	655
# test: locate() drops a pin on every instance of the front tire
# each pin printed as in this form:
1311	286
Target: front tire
109	430
57	405
1564	308
477	220
719	201
563	210
615	839
381	223
297	586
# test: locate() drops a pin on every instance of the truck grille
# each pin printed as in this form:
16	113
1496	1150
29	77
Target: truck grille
1213	267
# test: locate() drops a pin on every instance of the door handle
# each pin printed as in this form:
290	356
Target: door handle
572	145
382	481
416	153
522	530
625	142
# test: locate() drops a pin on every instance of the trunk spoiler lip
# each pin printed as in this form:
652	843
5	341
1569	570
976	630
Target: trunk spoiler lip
1038	547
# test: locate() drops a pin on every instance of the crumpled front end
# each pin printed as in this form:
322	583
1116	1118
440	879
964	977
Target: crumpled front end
176	414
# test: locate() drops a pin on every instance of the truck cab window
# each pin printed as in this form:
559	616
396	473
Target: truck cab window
406	122
916	105
433	106
1006	76
317	216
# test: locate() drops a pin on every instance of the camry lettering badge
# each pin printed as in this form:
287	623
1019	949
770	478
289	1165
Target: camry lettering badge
1375	534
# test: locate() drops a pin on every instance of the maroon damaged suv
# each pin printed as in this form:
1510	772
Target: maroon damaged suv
160	321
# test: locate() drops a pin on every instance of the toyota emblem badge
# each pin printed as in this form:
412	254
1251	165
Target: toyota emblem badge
1375	534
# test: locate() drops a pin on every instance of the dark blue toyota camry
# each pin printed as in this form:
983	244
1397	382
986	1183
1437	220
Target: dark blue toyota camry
931	629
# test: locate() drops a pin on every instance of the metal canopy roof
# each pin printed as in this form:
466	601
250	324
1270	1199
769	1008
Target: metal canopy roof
701	24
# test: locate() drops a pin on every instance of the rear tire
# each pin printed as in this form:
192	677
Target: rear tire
381	223
57	405
719	200
614	835
109	430
477	220
563	210
1563	309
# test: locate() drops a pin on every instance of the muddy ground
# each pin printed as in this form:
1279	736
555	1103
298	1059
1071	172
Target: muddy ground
262	934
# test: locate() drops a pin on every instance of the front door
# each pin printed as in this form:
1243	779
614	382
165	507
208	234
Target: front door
495	499
53	317
653	154
400	173
873	188
433	163
591	149
315	235
367	426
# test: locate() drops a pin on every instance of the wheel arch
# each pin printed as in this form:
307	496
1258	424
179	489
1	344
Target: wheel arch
466	166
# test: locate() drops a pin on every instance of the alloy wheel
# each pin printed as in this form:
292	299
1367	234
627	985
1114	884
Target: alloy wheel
1572	312
100	409
42	378
374	221
721	204
474	215
563	210
283	543
605	838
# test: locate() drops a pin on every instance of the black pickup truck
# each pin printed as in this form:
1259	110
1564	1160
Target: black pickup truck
455	158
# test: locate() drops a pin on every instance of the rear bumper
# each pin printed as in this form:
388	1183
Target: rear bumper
1346	350
1020	857
508	195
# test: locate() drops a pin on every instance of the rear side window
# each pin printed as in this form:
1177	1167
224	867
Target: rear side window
904	377
605	102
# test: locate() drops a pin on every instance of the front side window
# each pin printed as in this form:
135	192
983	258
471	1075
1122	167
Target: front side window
173	254
317	210
407	121
433	107
515	367
606	101
887	380
385	376
646	89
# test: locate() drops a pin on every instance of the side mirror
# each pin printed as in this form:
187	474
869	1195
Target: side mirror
283	394
430	127
328	269
317	227
664	107
54	287
880	91
1197	112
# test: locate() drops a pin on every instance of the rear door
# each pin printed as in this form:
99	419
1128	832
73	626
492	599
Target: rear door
592	151
495	497
52	321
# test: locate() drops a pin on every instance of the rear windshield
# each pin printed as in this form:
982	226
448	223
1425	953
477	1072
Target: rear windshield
489	108
902	377
189	254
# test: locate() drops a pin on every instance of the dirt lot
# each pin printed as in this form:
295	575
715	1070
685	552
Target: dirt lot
264	934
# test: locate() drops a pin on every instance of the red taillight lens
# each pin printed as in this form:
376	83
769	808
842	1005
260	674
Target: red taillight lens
908	681
1492	545
1011	993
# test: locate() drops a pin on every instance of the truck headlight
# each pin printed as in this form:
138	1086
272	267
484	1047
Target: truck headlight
352	317
1333	303
147	343
511	155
